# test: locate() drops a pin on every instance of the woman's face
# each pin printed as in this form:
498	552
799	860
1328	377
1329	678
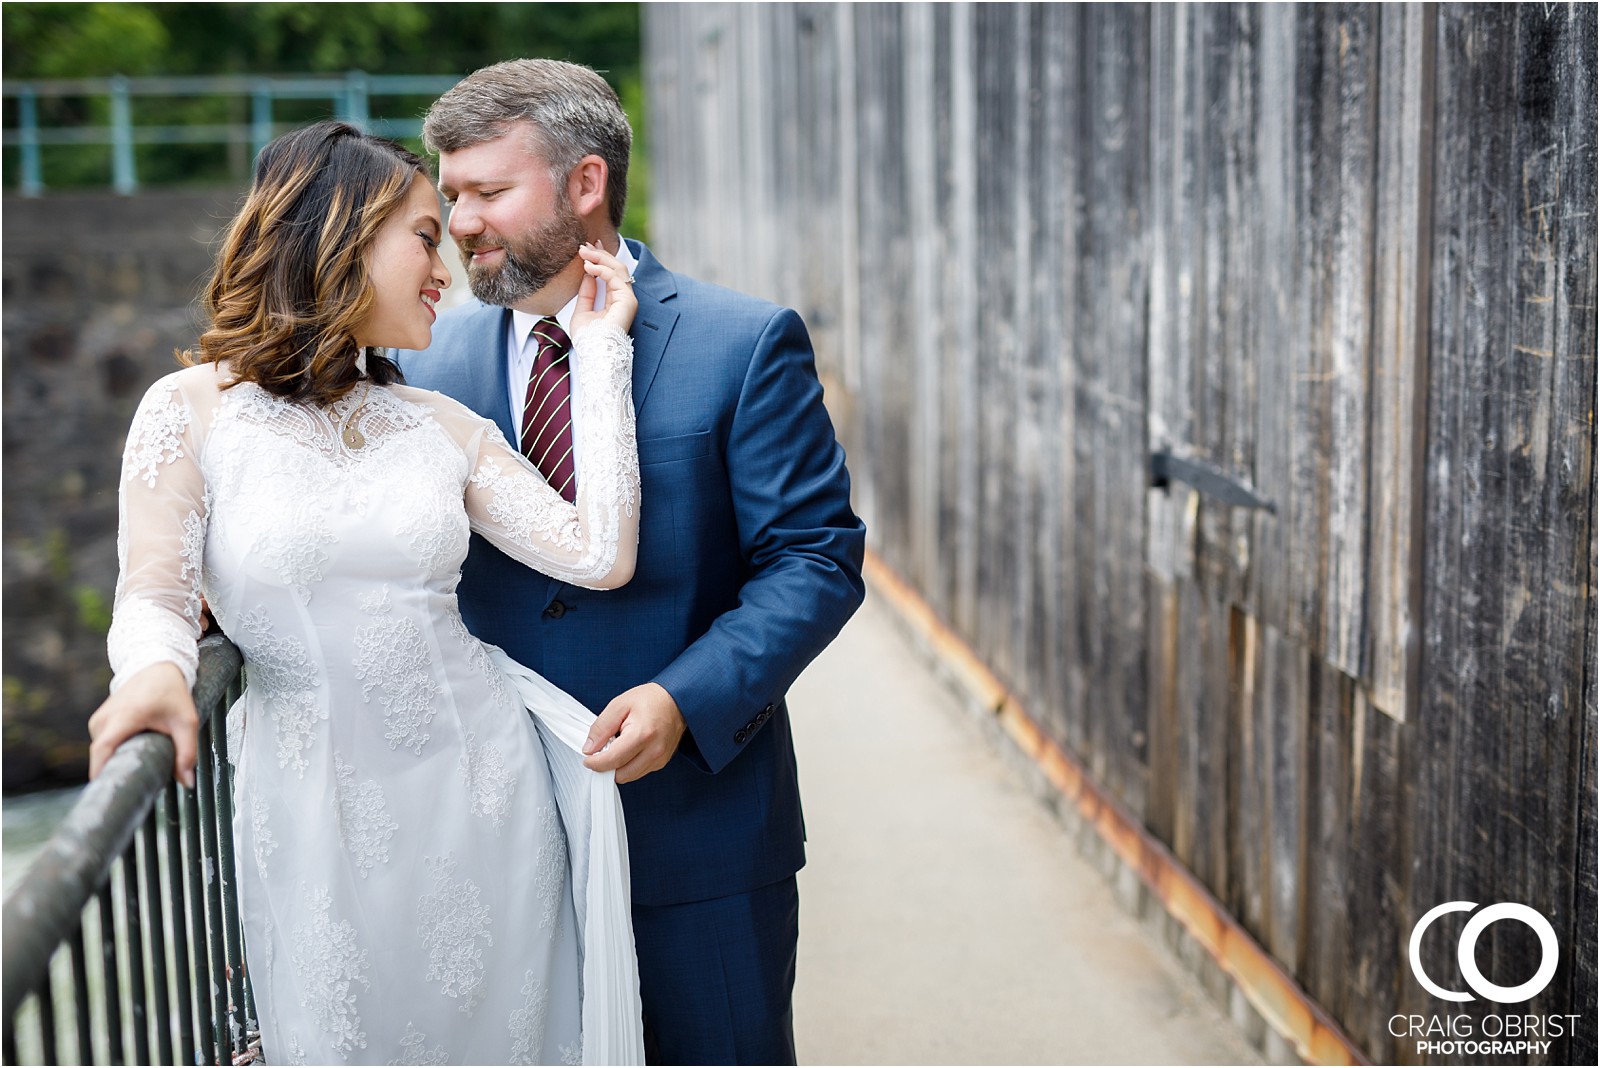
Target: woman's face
407	274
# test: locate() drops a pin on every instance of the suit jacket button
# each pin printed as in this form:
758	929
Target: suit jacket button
555	611
740	736
768	710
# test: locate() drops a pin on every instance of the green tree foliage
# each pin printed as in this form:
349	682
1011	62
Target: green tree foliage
74	40
56	40
63	40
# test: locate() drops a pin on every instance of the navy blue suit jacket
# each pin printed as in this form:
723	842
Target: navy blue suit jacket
749	564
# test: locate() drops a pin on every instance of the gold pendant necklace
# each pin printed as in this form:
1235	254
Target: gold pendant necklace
353	438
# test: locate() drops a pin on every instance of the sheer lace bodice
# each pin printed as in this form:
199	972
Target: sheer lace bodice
403	829
434	451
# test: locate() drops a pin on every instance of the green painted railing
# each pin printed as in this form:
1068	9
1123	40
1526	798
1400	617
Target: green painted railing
351	95
122	941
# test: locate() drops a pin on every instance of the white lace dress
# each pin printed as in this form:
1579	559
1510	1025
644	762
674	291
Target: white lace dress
403	827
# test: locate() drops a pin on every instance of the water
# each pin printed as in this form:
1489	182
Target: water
29	820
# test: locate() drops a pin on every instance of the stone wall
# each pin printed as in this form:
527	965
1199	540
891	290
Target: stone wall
98	293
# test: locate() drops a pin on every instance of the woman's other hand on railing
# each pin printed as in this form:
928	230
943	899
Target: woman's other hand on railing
154	699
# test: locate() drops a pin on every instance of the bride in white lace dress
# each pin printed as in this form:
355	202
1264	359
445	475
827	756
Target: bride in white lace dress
403	826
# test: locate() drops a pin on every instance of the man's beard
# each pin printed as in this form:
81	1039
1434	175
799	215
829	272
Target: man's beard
529	262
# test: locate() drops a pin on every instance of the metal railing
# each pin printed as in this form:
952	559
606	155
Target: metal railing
122	941
351	95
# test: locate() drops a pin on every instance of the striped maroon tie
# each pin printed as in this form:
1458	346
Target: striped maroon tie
547	410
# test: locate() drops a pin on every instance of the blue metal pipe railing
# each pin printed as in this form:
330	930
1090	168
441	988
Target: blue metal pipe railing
351	95
28	138
126	928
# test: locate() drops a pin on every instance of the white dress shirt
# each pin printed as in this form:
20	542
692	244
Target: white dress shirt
521	348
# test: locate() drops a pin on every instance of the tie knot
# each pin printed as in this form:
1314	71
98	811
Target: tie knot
553	341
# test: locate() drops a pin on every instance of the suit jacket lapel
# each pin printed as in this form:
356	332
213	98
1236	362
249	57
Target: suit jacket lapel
652	325
482	351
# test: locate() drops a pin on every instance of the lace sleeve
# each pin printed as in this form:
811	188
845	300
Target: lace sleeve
161	534
591	543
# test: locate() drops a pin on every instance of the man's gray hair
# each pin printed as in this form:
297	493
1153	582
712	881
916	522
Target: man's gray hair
571	108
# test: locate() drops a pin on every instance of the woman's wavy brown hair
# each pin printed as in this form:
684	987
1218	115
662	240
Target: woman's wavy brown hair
291	282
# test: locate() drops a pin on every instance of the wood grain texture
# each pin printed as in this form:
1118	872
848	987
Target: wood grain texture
998	281
1344	254
1111	396
1503	664
1399	359
1549	523
1284	685
1281	356
1330	767
1174	235
1581	1049
1036	524
1376	967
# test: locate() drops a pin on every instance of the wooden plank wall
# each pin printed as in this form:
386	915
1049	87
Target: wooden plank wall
1344	253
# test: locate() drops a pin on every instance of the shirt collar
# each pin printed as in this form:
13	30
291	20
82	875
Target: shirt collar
522	322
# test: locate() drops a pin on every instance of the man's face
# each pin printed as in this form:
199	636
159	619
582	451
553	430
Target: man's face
515	227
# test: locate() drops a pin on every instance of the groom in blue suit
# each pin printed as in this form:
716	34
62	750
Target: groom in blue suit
749	556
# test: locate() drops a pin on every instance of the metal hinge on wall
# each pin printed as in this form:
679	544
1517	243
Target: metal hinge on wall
1166	469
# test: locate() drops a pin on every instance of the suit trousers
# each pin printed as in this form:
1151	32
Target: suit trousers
717	977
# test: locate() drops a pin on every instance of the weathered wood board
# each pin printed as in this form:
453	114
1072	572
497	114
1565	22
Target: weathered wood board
1341	254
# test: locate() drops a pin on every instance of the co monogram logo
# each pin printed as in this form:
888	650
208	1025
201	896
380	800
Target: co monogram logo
1466	952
